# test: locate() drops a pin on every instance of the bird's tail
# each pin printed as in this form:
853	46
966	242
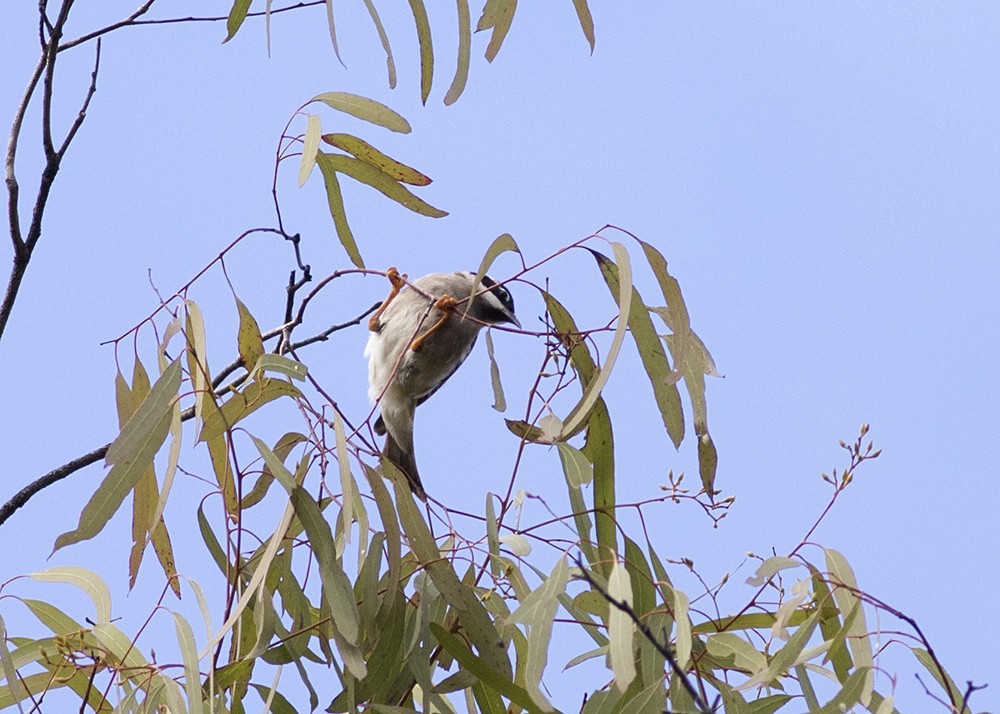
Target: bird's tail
406	463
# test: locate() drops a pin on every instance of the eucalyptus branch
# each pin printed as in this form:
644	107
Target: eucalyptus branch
661	647
25	494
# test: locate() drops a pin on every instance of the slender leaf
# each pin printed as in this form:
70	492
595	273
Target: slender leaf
310	145
237	14
579	414
384	39
497	681
586	21
621	628
335	199
501	17
470	611
336	586
366	109
499	400
578	470
243	403
651	353
364	151
464	54
600	449
381	181
130	455
189	653
250	342
537	612
423	26
857	686
847	599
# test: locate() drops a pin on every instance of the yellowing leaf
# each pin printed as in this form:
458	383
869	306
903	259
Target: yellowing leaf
364	151
426	48
251	345
501	17
381	181
366	109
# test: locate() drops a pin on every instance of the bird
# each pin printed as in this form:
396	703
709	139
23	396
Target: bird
419	336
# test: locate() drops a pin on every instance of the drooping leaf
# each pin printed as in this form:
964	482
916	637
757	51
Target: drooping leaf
189	653
499	401
857	687
464	54
537	612
243	403
498	14
578	416
586	21
577	469
336	586
250	342
335	199
423	26
565	326
86	580
310	145
654	359
366	109
384	39
847	599
736	652
497	681
943	679
621	628
129	455
478	625
237	14
197	358
364	151
600	450
347	484
332	26
379	180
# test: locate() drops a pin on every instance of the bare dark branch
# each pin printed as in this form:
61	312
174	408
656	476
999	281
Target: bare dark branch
661	647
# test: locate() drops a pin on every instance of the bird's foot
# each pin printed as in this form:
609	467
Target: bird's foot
446	304
398	282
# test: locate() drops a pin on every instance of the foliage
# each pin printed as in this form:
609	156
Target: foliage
331	570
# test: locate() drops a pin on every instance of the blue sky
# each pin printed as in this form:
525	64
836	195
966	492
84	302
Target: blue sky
823	180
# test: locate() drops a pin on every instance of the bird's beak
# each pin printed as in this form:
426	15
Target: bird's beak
514	321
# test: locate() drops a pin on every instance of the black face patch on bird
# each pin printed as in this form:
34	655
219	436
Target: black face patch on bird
502	294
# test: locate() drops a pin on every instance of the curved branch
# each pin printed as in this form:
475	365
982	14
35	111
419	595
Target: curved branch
24	495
